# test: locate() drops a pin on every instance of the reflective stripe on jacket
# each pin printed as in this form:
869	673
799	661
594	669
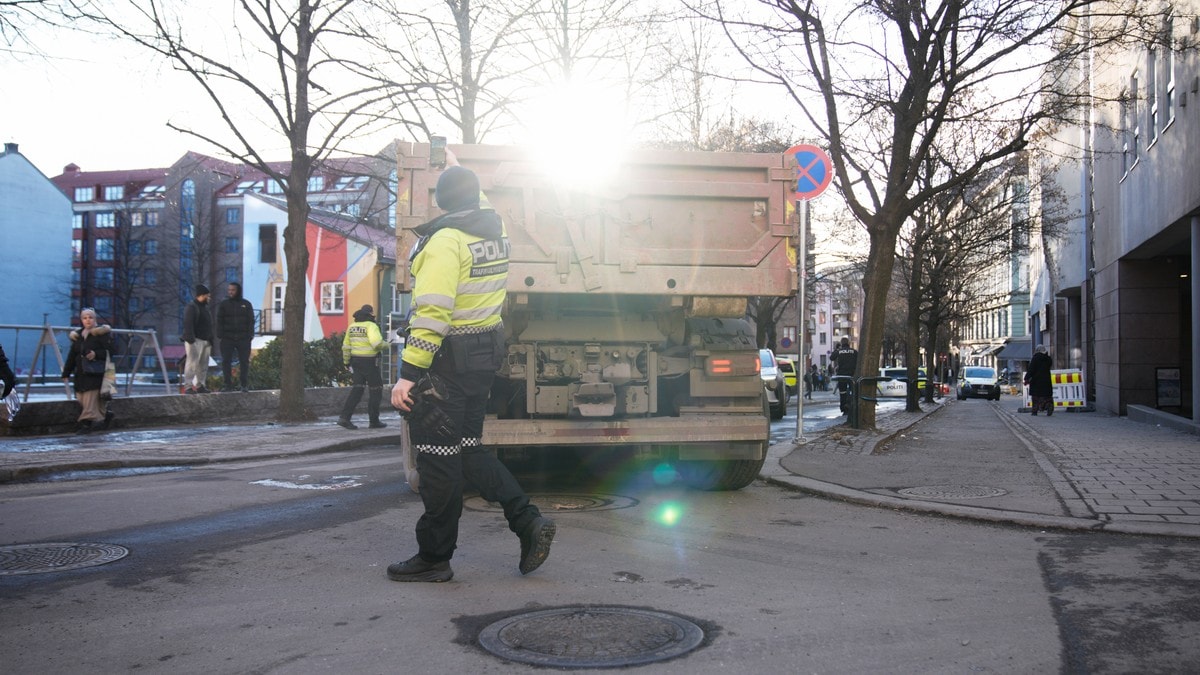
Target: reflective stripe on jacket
362	339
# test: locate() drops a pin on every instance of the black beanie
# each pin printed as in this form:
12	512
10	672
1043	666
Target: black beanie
364	313
457	190
200	290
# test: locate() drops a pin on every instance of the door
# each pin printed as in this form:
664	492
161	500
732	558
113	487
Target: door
277	307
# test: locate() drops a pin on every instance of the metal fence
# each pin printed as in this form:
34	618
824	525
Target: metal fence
50	344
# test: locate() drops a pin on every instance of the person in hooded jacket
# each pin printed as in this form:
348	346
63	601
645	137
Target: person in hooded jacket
1038	379
6	374
91	346
197	337
360	352
235	330
460	266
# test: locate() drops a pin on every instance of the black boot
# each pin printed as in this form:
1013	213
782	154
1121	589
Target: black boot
374	396
108	418
84	427
418	569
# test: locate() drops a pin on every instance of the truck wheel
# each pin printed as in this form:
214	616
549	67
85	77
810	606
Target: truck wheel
719	475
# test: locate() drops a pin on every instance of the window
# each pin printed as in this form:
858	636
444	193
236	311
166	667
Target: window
266	243
824	336
333	297
106	219
354	209
135	304
233	215
78	221
104	249
232	244
316	184
103	278
231	274
114	193
85	194
350	183
151	191
77	250
103	305
1152	95
134	277
148	304
149	277
246	186
1168	72
151	247
144	218
135	248
274	187
1135	119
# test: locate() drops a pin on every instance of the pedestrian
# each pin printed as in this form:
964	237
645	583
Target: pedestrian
91	347
197	338
360	352
460	265
6	374
845	358
810	381
1037	378
235	330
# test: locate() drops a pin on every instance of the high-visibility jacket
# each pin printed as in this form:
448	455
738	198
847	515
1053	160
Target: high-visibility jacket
461	269
362	339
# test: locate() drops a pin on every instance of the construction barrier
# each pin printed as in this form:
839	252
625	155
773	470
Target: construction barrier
1068	389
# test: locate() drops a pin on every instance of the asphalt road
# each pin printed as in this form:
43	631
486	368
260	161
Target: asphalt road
278	566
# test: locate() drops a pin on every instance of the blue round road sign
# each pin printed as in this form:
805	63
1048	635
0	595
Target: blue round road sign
813	170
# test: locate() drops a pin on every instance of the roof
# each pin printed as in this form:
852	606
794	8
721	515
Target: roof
383	241
1017	350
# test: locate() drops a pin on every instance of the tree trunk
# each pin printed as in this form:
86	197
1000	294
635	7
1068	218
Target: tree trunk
881	260
291	372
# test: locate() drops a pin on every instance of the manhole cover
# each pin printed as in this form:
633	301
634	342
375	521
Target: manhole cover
39	558
560	503
591	637
952	492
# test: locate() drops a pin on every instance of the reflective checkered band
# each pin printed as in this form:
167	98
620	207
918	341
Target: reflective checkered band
445	450
472	442
475	330
424	345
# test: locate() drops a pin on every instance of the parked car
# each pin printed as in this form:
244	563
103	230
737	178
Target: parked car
978	382
773	382
788	368
898	384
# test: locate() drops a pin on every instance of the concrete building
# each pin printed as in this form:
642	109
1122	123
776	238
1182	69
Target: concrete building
35	256
1117	294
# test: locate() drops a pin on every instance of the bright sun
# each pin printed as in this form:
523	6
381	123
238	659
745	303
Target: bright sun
580	133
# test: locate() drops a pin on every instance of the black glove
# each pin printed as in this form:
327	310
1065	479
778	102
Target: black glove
424	412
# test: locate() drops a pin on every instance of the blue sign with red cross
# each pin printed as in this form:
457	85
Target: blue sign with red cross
813	170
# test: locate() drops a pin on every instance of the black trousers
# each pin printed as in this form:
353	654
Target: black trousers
365	374
242	347
447	464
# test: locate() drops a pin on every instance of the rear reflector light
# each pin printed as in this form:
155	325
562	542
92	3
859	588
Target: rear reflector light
732	365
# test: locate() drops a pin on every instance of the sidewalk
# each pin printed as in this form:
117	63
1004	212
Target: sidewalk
971	459
1077	471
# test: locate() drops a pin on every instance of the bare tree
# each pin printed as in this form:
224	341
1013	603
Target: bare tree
881	82
290	76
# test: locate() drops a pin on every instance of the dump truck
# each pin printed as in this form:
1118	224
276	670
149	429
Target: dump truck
626	307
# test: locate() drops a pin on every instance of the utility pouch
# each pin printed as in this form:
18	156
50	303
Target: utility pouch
474	353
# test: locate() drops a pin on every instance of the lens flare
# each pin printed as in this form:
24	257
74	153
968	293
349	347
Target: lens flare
668	514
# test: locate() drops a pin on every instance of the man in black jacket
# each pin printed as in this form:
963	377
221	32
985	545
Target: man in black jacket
235	330
197	337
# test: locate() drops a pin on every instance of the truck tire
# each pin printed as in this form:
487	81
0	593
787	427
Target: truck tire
720	475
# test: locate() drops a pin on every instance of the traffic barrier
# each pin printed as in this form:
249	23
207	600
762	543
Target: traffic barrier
1068	389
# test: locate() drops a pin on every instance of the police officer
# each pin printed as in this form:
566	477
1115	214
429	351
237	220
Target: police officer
360	352
460	266
846	358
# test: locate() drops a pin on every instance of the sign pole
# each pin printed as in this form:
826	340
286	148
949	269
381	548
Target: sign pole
802	369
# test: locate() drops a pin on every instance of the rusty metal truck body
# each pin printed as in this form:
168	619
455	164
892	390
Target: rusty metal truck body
625	314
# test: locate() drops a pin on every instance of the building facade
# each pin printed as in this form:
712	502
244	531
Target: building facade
35	256
1117	294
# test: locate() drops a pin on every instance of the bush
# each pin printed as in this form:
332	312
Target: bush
322	364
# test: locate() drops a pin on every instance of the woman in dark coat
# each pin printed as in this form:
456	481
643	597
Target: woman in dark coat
91	344
1037	378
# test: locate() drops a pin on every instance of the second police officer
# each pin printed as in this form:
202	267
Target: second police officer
360	352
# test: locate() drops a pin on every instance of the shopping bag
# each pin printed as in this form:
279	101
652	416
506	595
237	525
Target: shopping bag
108	388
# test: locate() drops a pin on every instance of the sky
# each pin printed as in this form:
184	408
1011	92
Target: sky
94	102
